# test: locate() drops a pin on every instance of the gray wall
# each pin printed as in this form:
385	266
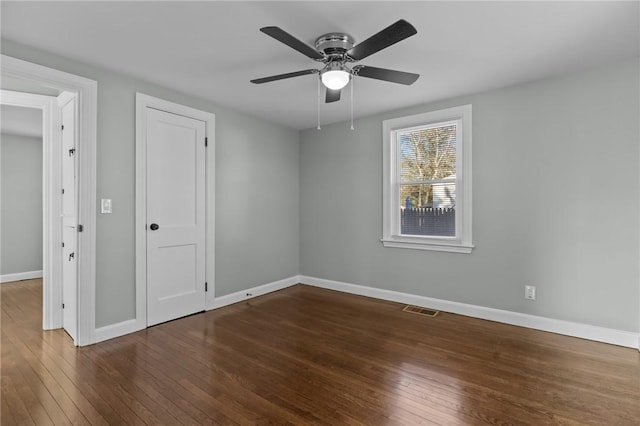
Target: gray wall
20	204
555	203
257	214
551	158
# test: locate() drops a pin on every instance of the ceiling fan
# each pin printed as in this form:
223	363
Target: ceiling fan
337	50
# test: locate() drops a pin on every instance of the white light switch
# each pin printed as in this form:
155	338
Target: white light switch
105	205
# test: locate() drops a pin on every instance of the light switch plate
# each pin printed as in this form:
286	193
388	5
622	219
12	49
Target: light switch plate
105	205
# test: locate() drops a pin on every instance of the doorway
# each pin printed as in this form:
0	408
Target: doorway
51	231
85	92
41	212
21	178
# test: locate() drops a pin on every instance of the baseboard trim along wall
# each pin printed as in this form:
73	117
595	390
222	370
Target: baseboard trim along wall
19	276
250	293
115	330
122	328
568	328
584	331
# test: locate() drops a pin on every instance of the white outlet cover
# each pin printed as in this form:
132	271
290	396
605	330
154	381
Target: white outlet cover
530	292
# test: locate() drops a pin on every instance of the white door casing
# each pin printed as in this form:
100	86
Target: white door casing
176	231
86	91
69	216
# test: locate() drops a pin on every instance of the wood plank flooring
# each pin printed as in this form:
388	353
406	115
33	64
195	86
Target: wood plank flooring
306	356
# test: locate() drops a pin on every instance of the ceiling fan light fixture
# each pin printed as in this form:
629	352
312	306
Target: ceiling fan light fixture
335	77
336	51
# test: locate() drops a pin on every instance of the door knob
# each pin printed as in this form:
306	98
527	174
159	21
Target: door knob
154	226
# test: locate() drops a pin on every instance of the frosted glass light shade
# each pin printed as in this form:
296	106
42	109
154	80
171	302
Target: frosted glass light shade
335	79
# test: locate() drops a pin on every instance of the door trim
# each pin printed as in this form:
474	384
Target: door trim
142	103
87	95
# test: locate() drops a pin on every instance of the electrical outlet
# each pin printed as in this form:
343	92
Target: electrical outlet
530	292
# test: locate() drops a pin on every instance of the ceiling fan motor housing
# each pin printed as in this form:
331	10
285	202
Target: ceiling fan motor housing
334	44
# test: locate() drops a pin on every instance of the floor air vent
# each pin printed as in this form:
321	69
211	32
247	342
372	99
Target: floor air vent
420	311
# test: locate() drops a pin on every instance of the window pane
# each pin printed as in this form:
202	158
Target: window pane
428	209
428	154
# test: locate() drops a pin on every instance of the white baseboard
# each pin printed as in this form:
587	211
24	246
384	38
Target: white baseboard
20	276
116	330
131	326
574	329
250	293
584	331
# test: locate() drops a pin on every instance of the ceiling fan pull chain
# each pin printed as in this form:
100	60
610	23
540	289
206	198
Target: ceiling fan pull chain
352	81
318	104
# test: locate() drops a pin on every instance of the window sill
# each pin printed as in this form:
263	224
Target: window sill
432	246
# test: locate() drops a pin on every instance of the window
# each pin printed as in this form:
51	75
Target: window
427	181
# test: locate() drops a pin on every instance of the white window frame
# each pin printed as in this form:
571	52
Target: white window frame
391	236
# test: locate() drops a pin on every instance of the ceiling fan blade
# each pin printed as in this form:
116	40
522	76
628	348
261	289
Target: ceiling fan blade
393	76
385	38
332	95
286	38
283	76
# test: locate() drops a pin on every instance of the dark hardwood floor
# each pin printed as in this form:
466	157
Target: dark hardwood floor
310	356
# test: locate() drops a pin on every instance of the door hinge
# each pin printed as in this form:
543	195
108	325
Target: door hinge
80	228
206	287
63	190
63	306
62	244
206	142
62	127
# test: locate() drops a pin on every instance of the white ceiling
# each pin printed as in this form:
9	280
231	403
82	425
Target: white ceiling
212	49
21	121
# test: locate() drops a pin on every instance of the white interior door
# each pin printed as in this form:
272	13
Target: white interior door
69	220
176	232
